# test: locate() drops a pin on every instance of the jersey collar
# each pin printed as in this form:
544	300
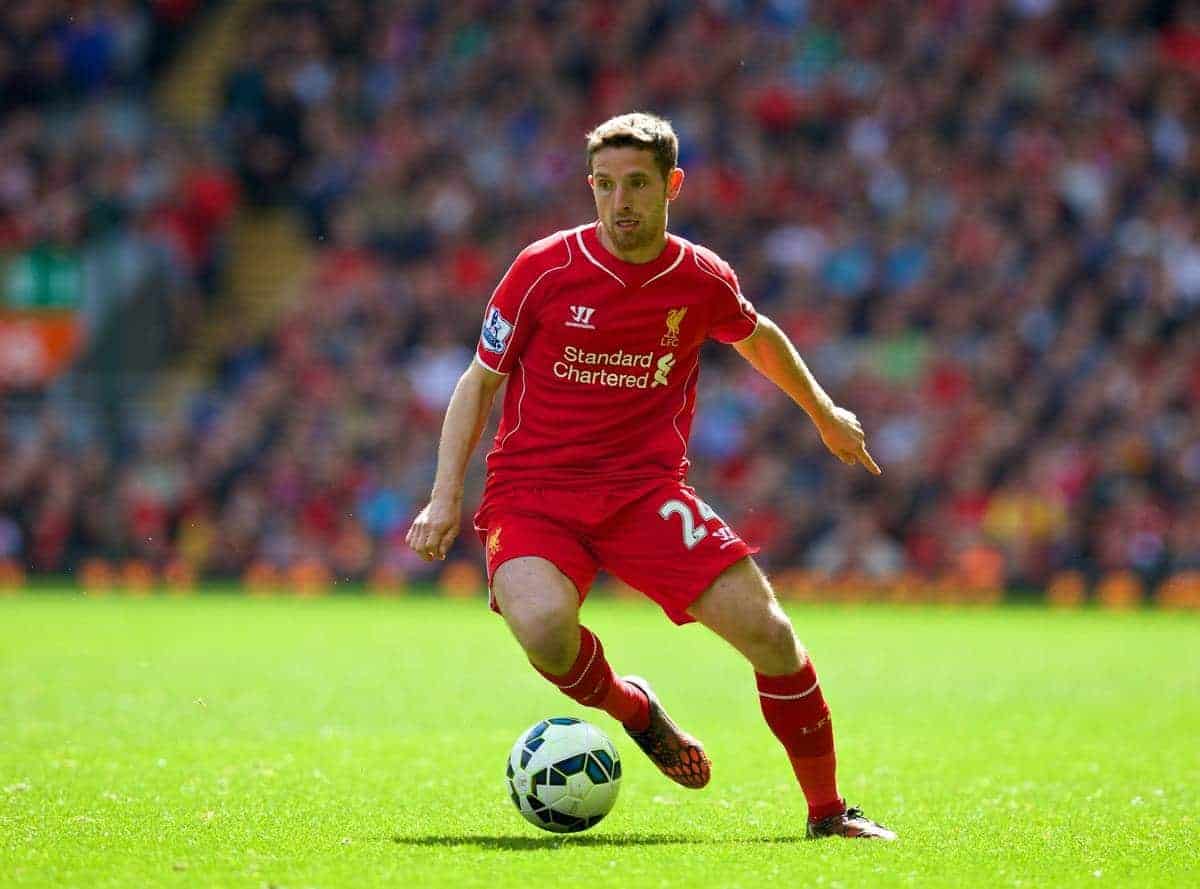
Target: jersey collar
629	274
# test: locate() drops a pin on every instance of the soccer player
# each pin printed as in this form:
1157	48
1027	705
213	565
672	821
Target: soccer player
598	331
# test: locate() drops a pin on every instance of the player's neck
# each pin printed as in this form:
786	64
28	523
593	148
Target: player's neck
643	255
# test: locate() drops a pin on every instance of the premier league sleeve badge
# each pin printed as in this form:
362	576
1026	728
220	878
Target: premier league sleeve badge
496	331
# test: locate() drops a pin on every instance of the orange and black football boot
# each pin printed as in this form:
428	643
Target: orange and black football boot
677	754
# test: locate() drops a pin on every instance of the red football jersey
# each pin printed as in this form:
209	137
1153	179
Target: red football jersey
604	356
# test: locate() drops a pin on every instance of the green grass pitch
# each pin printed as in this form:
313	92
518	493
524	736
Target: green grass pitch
227	741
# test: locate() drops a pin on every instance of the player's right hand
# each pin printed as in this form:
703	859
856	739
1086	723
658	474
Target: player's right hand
434	529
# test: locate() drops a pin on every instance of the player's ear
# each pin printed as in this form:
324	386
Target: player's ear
591	181
674	183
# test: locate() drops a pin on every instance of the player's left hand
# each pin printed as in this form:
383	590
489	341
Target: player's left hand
843	435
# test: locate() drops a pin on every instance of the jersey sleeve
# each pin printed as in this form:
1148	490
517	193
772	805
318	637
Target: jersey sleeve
508	320
733	317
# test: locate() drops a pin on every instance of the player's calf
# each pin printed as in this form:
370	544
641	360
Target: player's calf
591	681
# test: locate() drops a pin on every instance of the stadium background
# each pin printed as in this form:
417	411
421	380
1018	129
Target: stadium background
245	246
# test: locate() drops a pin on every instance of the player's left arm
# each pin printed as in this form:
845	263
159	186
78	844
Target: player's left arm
774	356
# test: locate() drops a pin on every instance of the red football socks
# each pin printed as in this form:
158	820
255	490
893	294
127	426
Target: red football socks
591	682
797	713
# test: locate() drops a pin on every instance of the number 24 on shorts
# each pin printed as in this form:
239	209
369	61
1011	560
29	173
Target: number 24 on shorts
694	532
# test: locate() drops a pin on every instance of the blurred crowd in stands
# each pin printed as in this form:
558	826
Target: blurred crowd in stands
979	221
89	169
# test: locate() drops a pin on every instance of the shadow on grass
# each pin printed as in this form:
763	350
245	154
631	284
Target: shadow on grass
559	841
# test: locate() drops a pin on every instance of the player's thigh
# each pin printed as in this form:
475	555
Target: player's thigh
535	597
669	545
539	571
741	608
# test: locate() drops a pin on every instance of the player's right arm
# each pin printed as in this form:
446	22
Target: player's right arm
508	323
436	526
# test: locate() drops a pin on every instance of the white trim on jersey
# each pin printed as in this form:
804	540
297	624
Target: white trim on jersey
757	321
736	294
517	319
671	267
675	420
520	401
594	261
492	370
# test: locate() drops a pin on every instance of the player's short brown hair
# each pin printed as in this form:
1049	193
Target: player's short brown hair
637	130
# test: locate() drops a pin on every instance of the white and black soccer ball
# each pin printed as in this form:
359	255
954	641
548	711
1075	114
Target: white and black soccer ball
564	774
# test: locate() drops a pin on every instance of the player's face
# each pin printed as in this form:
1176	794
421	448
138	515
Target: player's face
631	201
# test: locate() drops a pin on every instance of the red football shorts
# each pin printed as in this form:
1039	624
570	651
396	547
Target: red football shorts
659	538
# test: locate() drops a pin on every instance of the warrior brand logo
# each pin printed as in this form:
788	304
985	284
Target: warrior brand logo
726	535
496	331
674	319
581	316
664	368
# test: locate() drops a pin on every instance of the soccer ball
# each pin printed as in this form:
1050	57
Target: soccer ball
563	775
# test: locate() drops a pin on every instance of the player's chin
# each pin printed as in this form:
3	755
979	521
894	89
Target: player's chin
630	238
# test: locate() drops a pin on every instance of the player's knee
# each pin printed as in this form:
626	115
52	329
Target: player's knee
550	637
777	650
553	654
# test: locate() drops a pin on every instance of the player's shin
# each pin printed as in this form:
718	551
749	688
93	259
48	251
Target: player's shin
592	682
797	713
